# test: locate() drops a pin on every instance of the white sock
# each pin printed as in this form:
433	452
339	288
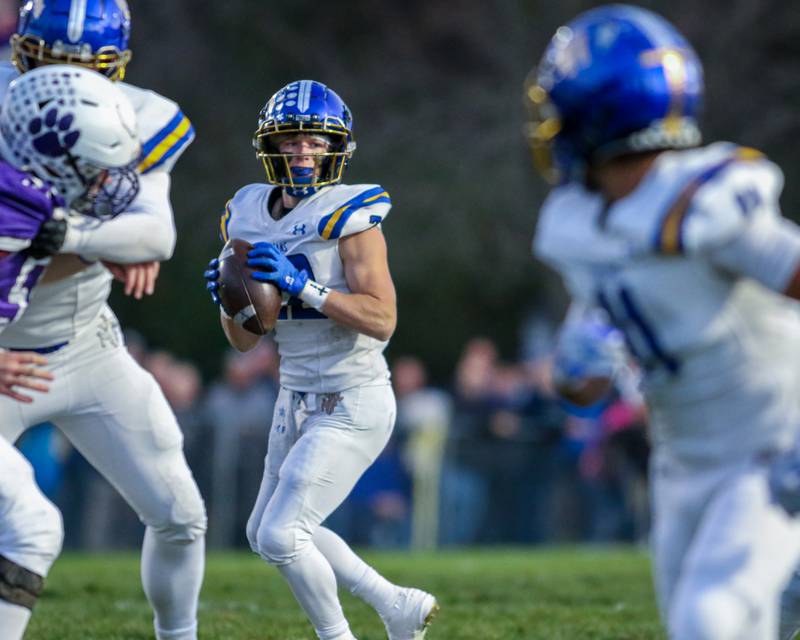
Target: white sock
13	620
313	584
172	574
353	573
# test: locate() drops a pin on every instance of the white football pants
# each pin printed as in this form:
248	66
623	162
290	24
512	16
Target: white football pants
31	531
115	414
319	446
30	525
723	552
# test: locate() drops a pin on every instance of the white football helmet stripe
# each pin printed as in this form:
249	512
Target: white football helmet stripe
77	18
304	96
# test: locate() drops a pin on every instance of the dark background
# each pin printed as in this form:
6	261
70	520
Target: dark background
435	88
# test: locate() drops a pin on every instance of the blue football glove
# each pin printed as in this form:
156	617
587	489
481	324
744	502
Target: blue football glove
784	482
211	274
276	268
588	349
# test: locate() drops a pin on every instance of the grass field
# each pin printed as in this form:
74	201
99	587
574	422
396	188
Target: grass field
485	594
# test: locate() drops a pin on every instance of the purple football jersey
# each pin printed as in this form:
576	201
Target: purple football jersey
25	202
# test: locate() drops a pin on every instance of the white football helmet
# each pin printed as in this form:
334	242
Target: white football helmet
75	129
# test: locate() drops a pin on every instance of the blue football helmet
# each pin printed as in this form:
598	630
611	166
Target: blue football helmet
89	33
309	107
616	80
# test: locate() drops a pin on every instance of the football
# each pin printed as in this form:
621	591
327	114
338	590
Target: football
253	305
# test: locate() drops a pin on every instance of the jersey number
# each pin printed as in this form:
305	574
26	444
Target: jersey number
626	315
295	308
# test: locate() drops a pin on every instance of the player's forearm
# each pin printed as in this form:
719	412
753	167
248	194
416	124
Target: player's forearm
63	266
144	233
362	312
128	238
239	338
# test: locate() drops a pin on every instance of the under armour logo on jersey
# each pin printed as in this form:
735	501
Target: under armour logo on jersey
52	135
282	247
299	230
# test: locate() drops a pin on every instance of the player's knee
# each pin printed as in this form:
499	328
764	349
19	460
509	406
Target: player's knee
280	544
52	533
709	614
189	525
251	531
275	543
43	536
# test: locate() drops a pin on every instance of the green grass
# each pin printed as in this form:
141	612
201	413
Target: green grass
504	594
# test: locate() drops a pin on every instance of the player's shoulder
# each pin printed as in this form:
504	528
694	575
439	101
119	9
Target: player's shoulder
719	190
244	209
25	202
164	130
567	223
345	209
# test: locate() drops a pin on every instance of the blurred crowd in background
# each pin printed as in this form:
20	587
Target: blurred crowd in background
494	458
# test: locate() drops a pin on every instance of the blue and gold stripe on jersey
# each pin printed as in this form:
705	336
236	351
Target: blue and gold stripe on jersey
173	137
330	226
669	236
224	221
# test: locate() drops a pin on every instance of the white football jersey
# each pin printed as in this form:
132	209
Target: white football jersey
58	311
720	350
317	354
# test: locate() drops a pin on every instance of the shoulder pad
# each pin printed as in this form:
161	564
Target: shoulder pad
351	209
567	229
25	202
164	131
569	239
717	204
250	199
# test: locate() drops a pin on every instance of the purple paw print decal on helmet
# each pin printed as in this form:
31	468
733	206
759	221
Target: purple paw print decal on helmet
52	135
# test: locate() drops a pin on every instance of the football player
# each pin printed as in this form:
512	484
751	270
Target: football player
320	242
684	250
72	128
112	410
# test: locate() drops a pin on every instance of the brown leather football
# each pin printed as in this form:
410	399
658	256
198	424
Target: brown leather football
253	305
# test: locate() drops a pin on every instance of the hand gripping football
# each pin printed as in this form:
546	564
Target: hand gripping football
253	305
